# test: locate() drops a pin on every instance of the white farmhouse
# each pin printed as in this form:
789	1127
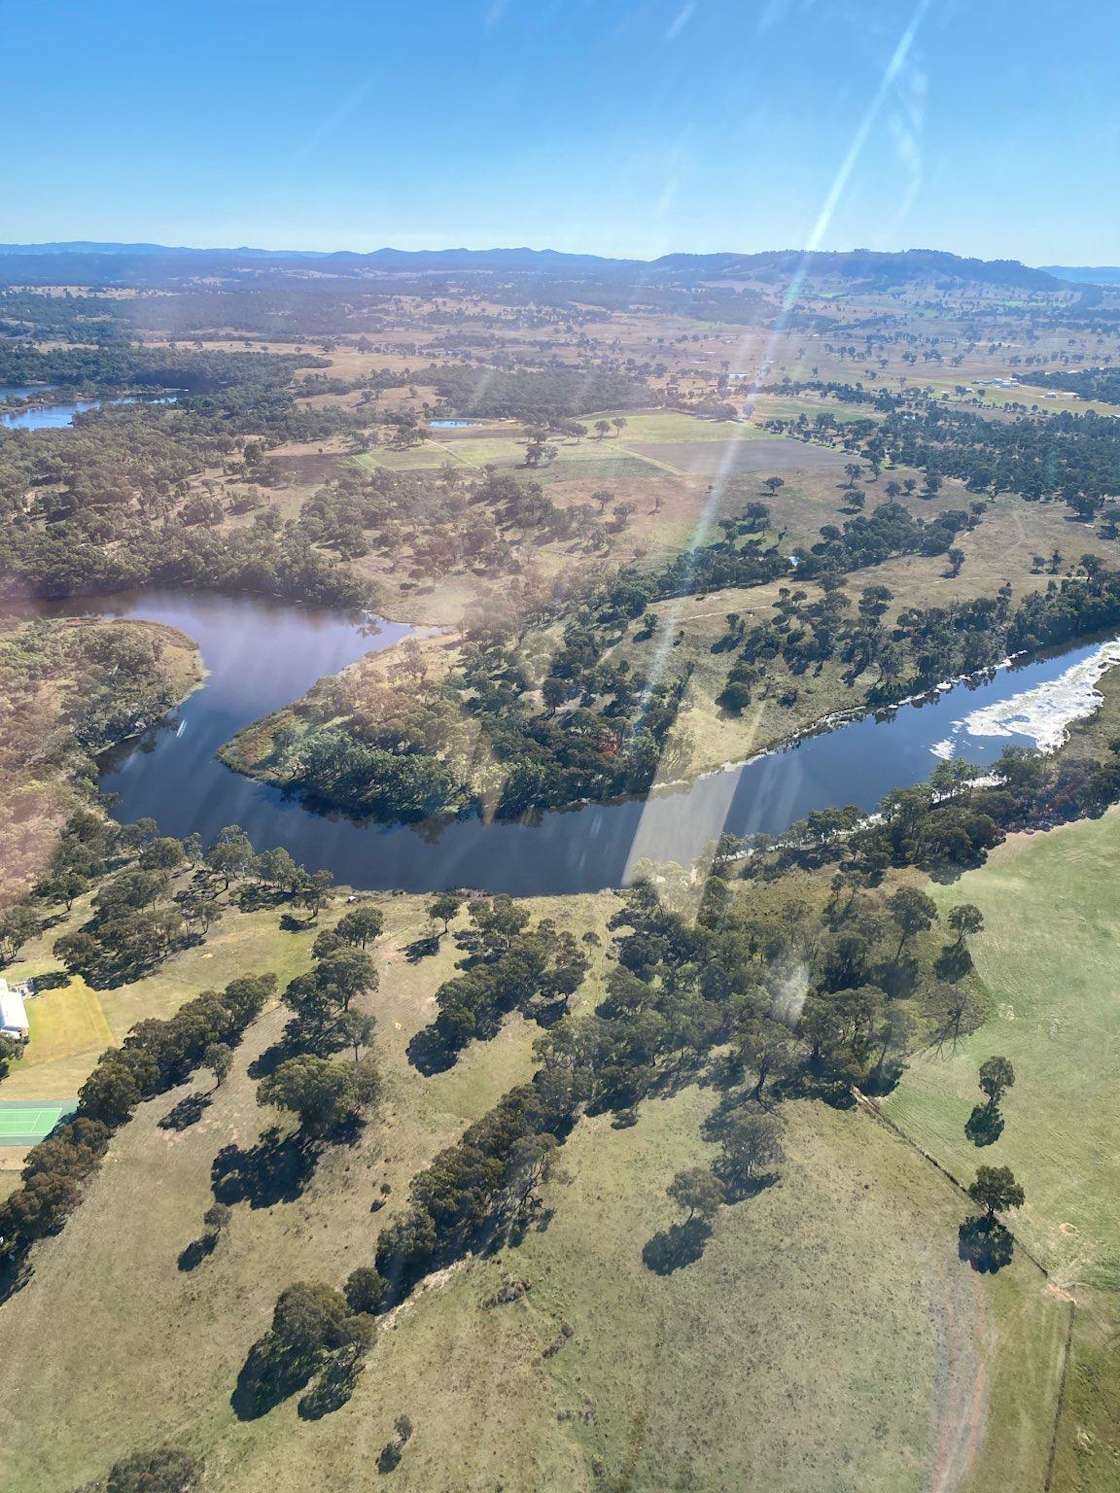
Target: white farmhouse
13	1014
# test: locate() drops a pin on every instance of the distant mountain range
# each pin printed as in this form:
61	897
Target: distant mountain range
1083	274
109	263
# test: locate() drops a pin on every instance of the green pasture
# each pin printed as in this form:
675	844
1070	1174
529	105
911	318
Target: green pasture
1049	957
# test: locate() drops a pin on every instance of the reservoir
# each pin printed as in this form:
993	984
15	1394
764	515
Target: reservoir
261	655
58	416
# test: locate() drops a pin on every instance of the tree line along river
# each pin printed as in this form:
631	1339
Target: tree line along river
261	655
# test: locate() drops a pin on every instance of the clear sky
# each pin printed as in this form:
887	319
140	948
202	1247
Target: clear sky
988	127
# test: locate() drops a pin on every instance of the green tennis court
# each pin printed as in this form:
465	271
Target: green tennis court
24	1122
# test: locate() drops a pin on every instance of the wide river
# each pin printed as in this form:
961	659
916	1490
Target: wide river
261	655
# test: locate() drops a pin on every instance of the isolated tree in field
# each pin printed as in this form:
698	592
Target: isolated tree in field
361	926
913	912
602	428
345	974
444	906
774	485
321	1094
603	498
354	1029
996	1190
965	920
853	471
364	1289
996	1077
698	1191
218	1060
216	1219
619	422
752	1148
953	1010
956	560
314	892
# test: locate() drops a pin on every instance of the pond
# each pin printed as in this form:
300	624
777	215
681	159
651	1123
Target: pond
58	416
261	655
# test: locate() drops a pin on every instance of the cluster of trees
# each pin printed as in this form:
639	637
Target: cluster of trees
104	505
686	996
163	1469
984	1240
870	539
922	646
479	1190
142	908
154	1057
314	1334
948	823
1090	383
437	524
508	966
67	691
1069	456
107	369
318	1332
387	741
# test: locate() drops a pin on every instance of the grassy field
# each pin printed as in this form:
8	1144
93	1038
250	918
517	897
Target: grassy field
1048	957
72	1025
828	1336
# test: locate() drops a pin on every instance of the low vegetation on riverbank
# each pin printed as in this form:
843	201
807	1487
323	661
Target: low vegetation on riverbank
69	688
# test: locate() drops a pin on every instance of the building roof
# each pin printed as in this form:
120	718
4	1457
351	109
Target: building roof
13	1012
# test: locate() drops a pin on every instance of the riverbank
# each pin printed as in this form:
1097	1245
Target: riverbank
62	707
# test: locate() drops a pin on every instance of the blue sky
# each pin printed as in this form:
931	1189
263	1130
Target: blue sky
987	127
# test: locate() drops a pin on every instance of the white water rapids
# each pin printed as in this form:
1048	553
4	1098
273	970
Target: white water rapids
1044	713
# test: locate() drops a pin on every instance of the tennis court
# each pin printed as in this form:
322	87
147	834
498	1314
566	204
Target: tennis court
24	1122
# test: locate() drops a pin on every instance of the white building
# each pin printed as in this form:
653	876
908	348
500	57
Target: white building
13	1014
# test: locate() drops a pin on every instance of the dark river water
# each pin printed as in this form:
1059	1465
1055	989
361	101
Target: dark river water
262	655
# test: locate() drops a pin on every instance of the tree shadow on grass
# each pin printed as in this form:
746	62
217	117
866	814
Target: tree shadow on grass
985	1244
332	1388
984	1125
953	963
187	1112
677	1246
429	1054
422	948
272	1373
267	1379
197	1251
275	1170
